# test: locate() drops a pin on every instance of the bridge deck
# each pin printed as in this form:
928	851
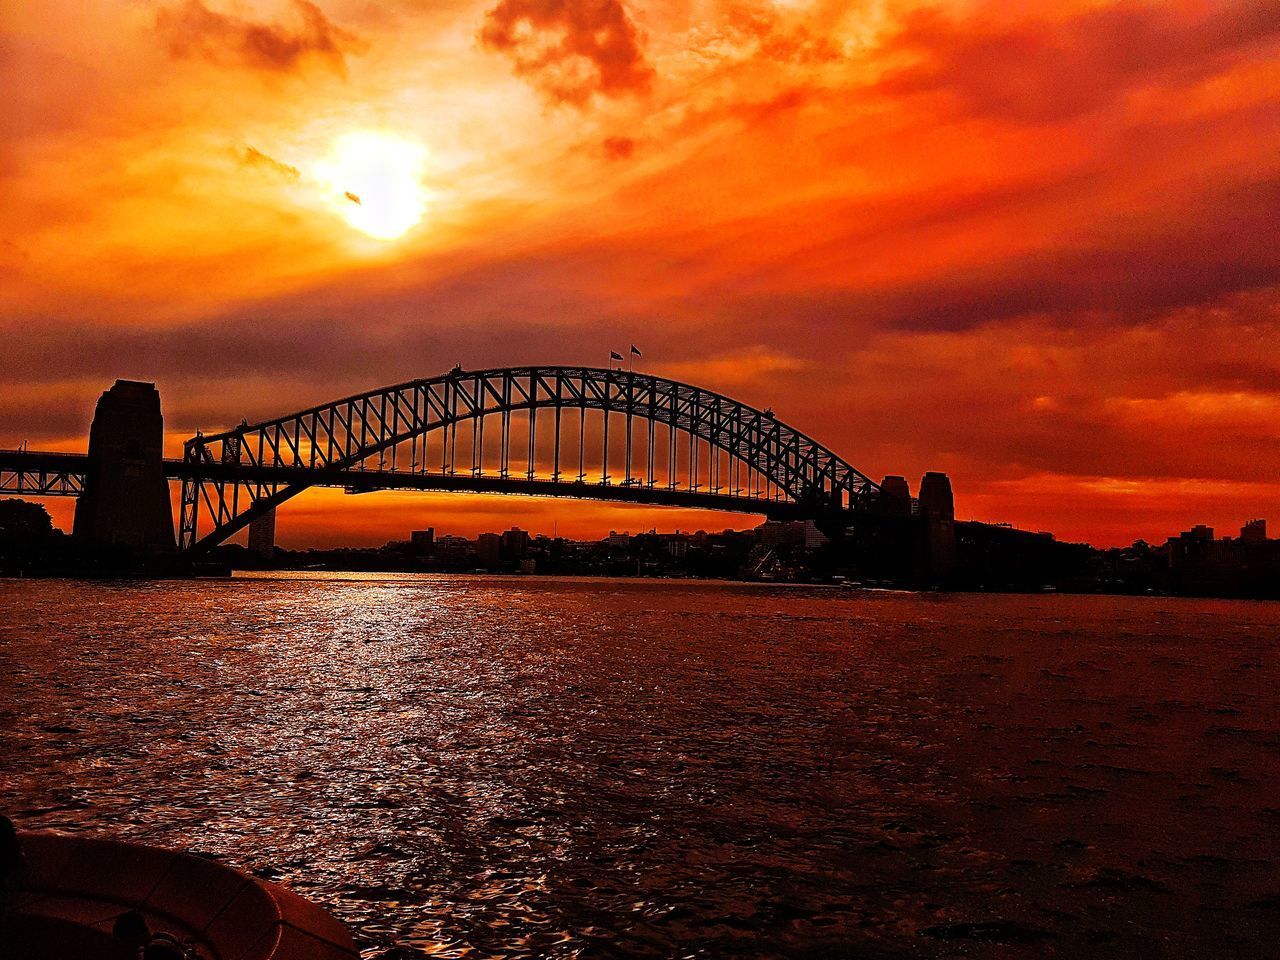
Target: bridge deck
43	460
39	473
47	473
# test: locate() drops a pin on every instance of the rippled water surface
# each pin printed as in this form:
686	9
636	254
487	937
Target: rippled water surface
533	767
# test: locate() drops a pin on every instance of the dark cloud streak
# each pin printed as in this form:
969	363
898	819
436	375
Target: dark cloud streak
571	50
192	30
1048	71
253	157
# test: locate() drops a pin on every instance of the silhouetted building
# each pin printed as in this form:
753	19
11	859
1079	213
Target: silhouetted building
676	544
126	494
1189	553
515	543
813	538
453	551
423	540
489	549
1255	531
797	533
773	533
1248	566
262	535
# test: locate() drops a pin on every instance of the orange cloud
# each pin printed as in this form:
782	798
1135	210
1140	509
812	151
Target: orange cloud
1030	245
618	148
571	50
191	29
1048	69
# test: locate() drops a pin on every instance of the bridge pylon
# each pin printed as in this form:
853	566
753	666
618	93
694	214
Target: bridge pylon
125	503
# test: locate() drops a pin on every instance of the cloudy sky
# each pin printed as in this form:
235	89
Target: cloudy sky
1032	244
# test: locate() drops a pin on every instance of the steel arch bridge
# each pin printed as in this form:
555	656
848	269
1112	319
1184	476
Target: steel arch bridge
539	430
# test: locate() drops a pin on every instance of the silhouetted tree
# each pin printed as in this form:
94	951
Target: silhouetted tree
26	531
22	521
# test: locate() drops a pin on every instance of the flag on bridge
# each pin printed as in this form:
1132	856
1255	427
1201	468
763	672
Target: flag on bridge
614	355
635	352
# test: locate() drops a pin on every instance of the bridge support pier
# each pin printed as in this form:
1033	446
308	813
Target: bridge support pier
938	521
262	535
125	504
905	541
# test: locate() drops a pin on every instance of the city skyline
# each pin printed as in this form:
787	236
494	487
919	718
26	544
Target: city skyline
1058	285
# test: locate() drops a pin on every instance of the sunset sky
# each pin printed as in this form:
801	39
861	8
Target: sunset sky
1031	244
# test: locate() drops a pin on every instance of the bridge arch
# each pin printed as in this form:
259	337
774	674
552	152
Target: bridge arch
715	452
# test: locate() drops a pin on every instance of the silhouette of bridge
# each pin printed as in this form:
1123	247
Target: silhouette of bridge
563	431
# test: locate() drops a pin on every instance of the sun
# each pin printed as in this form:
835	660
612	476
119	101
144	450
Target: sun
374	180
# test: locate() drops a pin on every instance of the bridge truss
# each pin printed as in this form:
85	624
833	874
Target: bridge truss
580	432
39	474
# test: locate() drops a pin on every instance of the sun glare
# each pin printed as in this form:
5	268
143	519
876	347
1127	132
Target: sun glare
375	181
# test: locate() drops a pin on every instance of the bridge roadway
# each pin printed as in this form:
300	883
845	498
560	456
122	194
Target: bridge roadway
48	473
42	474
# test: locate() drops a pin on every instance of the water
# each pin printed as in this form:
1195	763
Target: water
493	767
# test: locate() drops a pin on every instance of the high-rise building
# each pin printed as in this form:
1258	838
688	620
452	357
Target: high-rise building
489	549
452	550
423	540
515	543
1255	531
